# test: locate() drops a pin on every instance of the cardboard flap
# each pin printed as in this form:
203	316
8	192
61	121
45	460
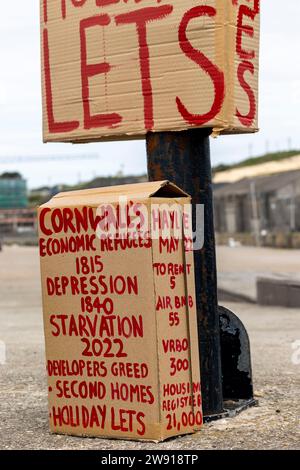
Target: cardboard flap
139	191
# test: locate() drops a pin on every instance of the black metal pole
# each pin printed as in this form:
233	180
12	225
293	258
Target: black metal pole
184	158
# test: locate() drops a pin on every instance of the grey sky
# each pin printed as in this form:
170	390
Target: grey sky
20	100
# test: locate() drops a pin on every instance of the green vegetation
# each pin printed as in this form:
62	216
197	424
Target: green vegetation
10	176
269	157
102	181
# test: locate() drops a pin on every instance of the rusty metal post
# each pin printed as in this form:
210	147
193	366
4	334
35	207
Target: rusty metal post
184	158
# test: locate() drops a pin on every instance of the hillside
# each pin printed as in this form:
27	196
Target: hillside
269	157
40	195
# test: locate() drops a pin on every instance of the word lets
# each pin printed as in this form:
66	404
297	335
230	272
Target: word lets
141	21
96	416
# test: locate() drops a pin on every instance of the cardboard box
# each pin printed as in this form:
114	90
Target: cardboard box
117	69
119	312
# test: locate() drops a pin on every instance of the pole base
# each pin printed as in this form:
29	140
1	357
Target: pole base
231	409
237	381
236	367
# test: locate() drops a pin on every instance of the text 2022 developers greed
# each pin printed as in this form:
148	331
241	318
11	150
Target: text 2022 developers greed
120	68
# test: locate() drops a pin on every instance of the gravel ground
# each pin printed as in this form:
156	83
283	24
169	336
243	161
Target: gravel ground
274	424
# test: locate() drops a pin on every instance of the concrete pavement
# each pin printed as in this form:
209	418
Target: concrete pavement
239	267
23	399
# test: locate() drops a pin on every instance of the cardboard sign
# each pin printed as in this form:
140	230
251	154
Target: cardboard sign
119	312
117	69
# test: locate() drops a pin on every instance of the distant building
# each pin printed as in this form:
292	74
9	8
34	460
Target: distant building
18	222
259	204
15	216
13	191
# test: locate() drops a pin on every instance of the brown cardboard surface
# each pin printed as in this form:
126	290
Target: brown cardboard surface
115	70
185	334
117	309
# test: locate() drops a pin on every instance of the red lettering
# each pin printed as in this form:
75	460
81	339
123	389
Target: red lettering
140	419
131	393
78	3
53	323
89	71
63	9
45	11
42	222
130	370
54	127
141	18
83	390
104	3
212	70
171	345
75	3
123	420
246	29
247	119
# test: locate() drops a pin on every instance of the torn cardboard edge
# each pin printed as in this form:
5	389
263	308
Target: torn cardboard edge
135	191
216	132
